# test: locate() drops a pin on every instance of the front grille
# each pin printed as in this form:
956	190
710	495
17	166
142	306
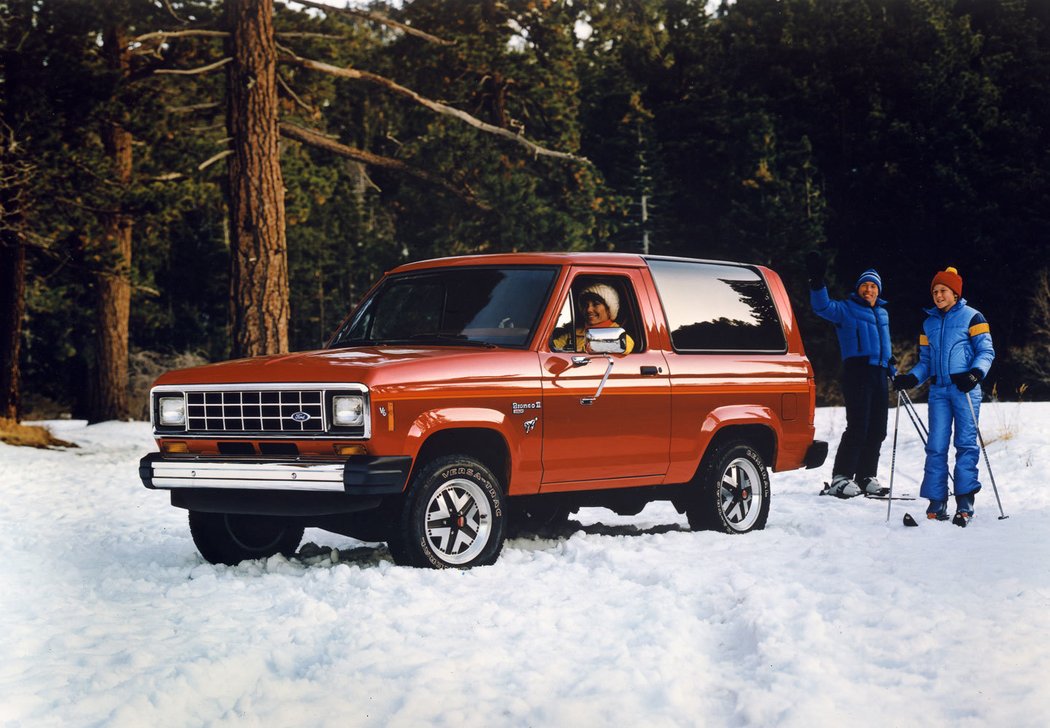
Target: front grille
255	411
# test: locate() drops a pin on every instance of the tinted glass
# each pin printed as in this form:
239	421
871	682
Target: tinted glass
713	307
465	306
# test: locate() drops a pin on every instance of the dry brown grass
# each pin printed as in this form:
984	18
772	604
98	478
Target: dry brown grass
19	435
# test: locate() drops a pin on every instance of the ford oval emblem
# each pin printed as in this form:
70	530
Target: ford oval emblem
300	416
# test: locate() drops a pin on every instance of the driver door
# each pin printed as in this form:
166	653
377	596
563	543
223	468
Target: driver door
625	432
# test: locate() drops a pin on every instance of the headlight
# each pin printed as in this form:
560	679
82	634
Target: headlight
172	411
348	410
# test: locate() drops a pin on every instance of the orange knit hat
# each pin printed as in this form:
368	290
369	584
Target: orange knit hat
949	277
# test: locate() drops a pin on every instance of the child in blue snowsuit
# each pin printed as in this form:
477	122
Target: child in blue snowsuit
863	328
955	353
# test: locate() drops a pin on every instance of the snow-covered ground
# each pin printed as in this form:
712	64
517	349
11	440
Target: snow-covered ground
830	616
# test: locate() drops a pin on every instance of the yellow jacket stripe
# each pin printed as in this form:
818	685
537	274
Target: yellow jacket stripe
980	329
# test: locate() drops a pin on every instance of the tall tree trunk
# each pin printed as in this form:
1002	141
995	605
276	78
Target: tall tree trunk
12	308
13	188
258	252
109	400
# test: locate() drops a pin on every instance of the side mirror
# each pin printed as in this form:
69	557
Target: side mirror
606	341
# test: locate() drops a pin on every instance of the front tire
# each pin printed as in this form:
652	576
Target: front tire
453	516
732	491
230	538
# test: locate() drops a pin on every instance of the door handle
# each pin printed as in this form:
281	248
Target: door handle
648	371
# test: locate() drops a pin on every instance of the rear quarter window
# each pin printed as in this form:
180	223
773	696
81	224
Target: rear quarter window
713	307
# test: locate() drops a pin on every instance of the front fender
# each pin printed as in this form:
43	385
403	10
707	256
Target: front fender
509	447
431	421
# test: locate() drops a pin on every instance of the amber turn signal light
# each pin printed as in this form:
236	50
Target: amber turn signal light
173	448
348	450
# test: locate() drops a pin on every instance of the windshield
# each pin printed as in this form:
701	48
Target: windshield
483	306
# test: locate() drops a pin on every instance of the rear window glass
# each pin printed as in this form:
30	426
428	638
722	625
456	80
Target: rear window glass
713	307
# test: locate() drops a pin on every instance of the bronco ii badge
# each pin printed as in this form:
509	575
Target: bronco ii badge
519	408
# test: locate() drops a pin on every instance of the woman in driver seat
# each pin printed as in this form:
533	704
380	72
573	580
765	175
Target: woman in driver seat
599	304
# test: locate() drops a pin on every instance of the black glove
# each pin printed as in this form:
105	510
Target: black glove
966	381
905	381
815	267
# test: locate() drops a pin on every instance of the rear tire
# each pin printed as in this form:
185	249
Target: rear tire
230	538
732	491
453	516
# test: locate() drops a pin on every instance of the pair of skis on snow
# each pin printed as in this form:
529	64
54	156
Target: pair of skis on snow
883	494
886	494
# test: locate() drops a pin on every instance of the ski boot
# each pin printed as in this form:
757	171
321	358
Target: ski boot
843	487
872	486
937	511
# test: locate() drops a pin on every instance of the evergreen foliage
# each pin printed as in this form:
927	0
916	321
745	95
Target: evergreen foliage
907	135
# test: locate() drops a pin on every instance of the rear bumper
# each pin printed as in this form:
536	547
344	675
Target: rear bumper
357	475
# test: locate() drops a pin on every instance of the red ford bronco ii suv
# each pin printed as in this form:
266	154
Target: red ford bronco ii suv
470	398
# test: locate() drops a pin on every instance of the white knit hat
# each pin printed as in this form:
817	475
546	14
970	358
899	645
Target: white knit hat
608	295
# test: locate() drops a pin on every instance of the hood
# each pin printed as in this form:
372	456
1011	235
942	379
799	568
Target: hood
322	366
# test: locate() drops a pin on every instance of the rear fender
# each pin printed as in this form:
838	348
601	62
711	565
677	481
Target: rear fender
723	421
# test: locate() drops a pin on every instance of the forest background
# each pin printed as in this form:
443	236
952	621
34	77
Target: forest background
908	135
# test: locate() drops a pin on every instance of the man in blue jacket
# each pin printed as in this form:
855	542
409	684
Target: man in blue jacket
863	328
955	353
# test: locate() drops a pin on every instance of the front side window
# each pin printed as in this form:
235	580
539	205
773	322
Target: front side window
597	302
713	307
485	305
564	338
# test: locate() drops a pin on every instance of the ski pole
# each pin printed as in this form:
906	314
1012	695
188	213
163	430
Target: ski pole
893	457
987	462
920	427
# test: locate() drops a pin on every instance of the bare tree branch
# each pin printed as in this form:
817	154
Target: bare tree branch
212	160
193	71
192	108
167	34
377	18
166	177
163	35
319	140
305	34
167	4
294	96
435	106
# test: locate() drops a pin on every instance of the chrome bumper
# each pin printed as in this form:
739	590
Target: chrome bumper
259	476
357	475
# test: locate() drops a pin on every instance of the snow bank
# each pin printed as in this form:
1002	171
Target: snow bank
831	615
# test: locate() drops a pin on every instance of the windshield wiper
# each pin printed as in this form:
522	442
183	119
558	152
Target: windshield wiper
452	339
